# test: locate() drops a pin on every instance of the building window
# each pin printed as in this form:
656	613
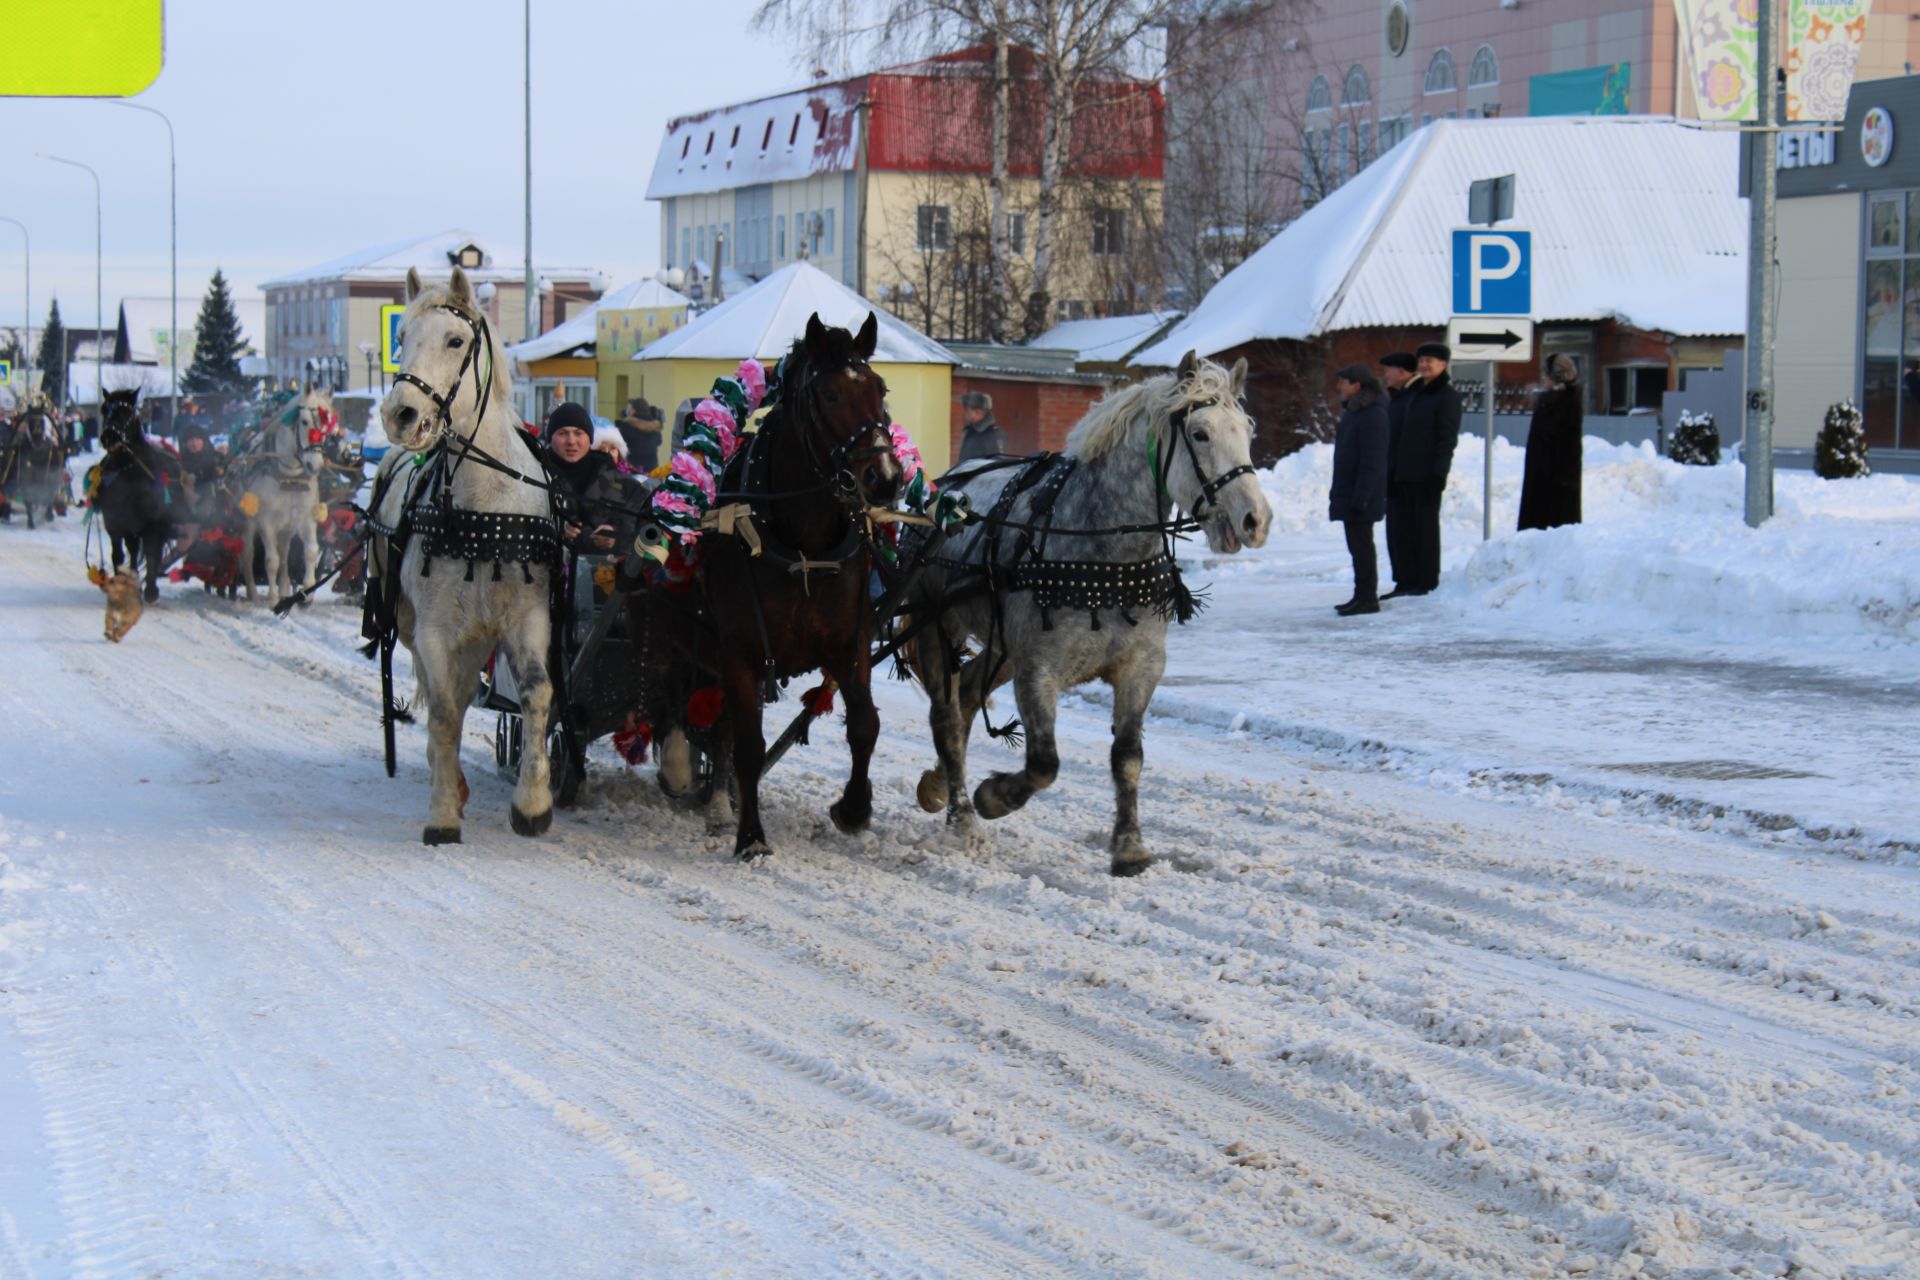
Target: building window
1635	387
686	245
780	236
1319	95
767	135
735	140
1393	131
826	233
1892	315
1342	144
1363	153
1109	232
794	133
1071	309
709	148
700	246
1017	232
1485	69
685	143
1440	76
934	228
1356	92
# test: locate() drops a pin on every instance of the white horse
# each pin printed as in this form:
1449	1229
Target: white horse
462	553
283	483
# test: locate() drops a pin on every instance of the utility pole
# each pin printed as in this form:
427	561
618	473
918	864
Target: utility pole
533	283
99	310
1757	441
173	257
26	321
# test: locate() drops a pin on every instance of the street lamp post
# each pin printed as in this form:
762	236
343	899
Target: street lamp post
173	253
99	310
26	272
367	349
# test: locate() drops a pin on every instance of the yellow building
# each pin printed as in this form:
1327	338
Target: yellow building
763	323
588	360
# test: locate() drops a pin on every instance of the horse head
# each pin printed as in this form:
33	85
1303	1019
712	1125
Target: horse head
446	379
839	407
120	420
1206	459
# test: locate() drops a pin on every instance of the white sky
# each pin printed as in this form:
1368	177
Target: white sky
306	132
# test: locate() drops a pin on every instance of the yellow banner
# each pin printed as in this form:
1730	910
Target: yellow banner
1721	40
80	48
1823	49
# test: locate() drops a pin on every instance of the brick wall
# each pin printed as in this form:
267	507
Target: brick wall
1035	415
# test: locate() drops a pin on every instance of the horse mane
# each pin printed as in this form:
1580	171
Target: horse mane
1125	414
837	350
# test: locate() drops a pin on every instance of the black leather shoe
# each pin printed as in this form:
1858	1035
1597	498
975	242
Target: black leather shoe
1344	605
1396	593
1358	607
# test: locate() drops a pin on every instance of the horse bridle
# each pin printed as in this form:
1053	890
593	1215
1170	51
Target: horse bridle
1177	420
483	384
838	466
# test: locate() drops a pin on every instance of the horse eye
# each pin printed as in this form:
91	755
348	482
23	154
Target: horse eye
1200	437
456	343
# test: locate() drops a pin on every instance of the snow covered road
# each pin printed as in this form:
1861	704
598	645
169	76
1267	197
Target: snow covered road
1356	1024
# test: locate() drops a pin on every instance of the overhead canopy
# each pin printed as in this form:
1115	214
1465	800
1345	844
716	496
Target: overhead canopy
1634	218
764	321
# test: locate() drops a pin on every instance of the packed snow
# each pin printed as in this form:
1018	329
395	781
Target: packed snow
1565	922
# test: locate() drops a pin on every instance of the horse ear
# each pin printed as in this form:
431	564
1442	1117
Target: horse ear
1189	364
1239	377
414	287
816	332
868	337
461	287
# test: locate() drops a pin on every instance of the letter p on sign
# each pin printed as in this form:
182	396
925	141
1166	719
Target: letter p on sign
1492	272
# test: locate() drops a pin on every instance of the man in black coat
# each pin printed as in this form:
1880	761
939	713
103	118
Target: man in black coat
1417	478
1396	371
1550	485
980	435
1358	496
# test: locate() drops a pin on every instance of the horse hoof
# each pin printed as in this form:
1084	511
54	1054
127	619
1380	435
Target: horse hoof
151	594
987	801
525	826
932	791
847	819
752	850
1130	864
440	835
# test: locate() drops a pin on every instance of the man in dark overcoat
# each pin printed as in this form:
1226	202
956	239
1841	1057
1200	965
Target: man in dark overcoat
1358	496
1421	461
1550	485
1397	373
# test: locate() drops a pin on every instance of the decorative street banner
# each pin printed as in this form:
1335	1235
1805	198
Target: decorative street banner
1721	39
1823	48
65	48
1590	91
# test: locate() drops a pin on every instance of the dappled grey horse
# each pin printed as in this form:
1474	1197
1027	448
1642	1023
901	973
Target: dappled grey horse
1069	578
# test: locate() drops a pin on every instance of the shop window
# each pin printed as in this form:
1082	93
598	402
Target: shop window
1635	386
1883	223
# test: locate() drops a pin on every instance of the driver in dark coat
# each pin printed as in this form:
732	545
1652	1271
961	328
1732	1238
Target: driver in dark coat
1421	461
1550	485
1358	496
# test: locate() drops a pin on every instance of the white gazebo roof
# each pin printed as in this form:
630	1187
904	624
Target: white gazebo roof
764	321
583	329
1634	218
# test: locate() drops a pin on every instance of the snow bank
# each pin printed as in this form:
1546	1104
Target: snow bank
1665	546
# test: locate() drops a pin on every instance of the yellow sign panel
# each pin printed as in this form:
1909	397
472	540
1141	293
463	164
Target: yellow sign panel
81	48
390	314
6	371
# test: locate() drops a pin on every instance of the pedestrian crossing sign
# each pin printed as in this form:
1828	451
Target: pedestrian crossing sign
6	371
390	314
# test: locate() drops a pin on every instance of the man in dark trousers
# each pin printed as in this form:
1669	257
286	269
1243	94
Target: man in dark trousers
1359	491
1396	372
980	435
1421	460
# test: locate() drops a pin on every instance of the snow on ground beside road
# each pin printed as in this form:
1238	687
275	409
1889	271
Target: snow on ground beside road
1664	547
1360	1022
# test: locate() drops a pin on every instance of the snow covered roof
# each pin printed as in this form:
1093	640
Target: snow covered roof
1634	218
583	329
764	321
642	294
388	263
1107	341
790	135
148	318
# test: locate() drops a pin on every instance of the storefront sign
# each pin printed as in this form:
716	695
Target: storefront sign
1806	150
1876	136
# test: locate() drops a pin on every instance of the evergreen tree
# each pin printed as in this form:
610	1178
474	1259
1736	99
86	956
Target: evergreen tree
1840	450
53	356
1696	441
218	344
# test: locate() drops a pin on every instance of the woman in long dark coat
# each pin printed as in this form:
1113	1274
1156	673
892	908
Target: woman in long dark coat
1550	488
1358	497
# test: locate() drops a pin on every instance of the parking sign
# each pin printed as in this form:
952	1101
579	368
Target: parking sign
1492	272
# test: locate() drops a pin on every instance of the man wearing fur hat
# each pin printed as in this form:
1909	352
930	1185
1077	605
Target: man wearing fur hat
1421	460
1397	373
981	436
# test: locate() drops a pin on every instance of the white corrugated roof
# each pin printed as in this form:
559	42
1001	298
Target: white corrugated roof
720	149
764	321
388	263
1104	341
1634	218
582	330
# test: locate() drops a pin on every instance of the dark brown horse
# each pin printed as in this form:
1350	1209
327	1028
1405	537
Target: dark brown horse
822	456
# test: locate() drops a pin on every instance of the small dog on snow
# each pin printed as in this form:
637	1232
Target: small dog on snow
123	602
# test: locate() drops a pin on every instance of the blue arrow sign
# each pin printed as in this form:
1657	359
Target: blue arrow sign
1492	272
